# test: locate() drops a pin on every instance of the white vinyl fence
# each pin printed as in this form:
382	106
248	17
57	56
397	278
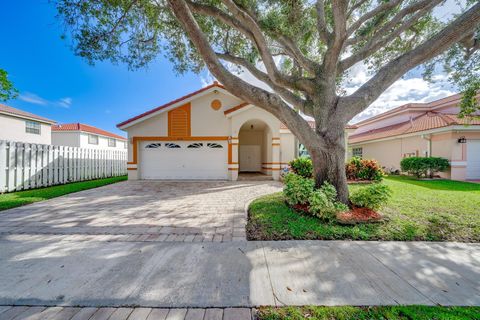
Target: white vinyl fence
28	165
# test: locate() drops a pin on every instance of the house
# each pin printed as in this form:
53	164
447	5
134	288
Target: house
22	126
86	136
421	129
207	134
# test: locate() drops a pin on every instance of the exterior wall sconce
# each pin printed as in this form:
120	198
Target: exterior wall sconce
462	140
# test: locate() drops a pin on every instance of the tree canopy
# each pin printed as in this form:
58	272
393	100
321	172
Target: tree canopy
7	90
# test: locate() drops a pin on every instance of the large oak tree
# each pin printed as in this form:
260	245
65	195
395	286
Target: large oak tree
302	50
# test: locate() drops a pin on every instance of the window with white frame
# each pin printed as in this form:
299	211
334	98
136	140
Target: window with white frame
92	139
357	152
125	145
112	142
32	127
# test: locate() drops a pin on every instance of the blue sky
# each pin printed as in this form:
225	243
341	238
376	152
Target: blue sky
56	84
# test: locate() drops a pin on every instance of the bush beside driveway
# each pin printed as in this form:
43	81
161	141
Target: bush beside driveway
433	210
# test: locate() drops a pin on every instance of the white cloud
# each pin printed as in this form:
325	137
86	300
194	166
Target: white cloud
29	97
65	102
32	98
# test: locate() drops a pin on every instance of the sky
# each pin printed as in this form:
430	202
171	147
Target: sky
56	84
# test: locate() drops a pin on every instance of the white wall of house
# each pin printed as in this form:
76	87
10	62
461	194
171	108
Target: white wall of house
14	128
80	139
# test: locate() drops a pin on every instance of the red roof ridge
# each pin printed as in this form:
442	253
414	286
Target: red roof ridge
214	84
77	126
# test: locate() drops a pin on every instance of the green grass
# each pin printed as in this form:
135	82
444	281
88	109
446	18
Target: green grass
370	313
20	198
439	210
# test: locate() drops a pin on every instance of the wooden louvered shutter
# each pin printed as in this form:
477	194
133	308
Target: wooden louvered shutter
179	121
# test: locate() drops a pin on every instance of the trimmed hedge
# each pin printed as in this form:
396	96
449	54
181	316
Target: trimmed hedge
363	169
424	166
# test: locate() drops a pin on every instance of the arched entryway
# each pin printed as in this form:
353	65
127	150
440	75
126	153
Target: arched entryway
255	148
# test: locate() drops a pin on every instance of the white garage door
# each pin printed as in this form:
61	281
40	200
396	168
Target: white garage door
184	160
473	159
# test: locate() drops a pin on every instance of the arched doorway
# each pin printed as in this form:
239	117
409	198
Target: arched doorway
254	149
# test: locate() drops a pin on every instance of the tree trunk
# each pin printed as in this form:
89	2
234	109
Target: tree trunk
329	160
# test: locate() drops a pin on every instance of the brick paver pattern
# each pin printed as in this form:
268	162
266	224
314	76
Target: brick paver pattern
75	313
142	211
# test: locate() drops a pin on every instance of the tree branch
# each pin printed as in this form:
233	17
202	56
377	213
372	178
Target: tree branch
386	76
323	32
374	12
382	38
249	93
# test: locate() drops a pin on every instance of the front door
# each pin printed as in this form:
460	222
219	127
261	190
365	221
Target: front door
250	158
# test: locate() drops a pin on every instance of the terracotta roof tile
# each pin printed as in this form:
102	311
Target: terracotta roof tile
23	114
423	122
85	128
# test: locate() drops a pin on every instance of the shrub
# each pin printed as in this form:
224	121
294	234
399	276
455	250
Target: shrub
297	189
323	202
302	166
363	169
372	197
424	166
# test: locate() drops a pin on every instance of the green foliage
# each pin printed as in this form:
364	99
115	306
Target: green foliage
7	90
368	313
323	203
374	196
363	169
424	166
427	210
302	166
20	198
297	189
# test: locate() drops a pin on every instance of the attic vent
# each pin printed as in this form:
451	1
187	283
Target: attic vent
179	121
214	145
195	145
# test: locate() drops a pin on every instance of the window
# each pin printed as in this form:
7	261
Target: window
214	145
92	139
153	145
125	145
357	152
32	127
112	142
195	145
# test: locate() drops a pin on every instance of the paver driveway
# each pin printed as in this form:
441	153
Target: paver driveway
143	211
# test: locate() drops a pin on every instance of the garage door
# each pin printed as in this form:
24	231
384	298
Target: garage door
473	159
184	160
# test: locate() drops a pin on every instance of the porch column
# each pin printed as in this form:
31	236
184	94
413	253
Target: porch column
233	159
276	158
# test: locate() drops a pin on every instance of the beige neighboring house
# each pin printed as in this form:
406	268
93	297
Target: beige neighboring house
22	126
421	129
86	136
208	134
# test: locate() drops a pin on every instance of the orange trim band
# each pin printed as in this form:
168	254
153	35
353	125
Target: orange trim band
271	169
232	169
131	168
240	106
274	138
130	162
275	144
234	144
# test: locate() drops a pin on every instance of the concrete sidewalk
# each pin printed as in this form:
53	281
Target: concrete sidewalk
41	270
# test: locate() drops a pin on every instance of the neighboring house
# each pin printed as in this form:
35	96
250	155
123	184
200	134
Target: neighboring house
208	134
86	136
22	126
421	129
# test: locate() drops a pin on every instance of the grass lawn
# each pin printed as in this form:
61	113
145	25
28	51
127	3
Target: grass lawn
370	313
440	210
20	198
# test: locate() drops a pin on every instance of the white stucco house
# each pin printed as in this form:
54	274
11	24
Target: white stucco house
21	126
207	134
86	136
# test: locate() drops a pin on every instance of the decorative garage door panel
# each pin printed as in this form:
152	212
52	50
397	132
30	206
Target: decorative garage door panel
473	159
184	160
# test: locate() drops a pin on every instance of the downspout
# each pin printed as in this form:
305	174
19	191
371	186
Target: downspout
428	137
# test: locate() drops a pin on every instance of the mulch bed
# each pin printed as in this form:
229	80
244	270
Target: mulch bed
359	215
